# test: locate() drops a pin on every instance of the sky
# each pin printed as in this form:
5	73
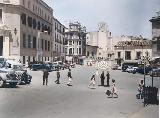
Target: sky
123	17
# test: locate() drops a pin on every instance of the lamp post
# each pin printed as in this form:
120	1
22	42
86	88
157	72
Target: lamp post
144	60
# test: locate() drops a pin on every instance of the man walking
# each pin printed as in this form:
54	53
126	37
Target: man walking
108	78
69	78
102	78
58	76
45	77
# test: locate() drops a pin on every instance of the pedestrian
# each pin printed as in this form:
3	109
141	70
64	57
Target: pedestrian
140	89
69	78
45	77
108	78
114	89
92	82
102	78
58	76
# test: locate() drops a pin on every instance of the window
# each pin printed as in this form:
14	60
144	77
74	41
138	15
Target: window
34	24
24	60
127	55
80	52
33	7
92	54
24	40
80	43
48	46
119	54
34	42
29	21
88	53
42	43
29	3
29	41
45	44
138	56
70	51
39	25
158	44
23	19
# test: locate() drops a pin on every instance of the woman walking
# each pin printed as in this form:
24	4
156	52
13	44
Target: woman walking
69	78
92	82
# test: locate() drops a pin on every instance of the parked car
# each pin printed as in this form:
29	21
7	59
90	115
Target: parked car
155	73
20	71
131	69
37	67
56	65
114	67
124	67
72	65
141	70
8	77
67	65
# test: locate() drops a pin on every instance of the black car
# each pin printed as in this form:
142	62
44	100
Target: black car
124	67
36	67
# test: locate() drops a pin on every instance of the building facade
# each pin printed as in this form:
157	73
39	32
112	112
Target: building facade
102	39
29	25
156	34
76	42
59	50
133	50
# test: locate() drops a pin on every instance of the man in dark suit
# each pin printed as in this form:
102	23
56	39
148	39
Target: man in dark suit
45	77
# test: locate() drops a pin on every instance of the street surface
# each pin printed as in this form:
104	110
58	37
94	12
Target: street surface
77	101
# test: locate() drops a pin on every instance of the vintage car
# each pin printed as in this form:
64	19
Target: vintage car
21	72
8	77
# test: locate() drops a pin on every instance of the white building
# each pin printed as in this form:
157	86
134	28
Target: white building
59	41
29	26
101	38
76	42
156	34
133	50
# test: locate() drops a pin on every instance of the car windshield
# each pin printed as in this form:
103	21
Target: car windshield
17	67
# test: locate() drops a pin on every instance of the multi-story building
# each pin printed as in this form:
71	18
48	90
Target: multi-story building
156	35
59	50
102	39
29	27
133	50
76	42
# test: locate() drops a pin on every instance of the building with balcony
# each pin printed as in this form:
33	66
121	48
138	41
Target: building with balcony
26	27
156	34
59	50
76	42
133	50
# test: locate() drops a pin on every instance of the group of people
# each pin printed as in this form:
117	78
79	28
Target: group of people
92	83
113	90
46	73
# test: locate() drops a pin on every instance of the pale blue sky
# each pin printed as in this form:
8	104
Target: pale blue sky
124	17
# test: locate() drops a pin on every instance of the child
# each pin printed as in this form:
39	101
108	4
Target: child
114	89
92	82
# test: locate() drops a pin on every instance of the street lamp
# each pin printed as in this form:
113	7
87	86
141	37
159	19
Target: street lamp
144	60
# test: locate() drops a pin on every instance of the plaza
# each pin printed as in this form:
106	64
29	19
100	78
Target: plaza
77	101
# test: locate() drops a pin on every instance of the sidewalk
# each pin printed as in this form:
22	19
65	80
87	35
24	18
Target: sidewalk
150	111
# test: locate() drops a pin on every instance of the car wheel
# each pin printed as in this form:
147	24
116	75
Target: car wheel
1	82
13	85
